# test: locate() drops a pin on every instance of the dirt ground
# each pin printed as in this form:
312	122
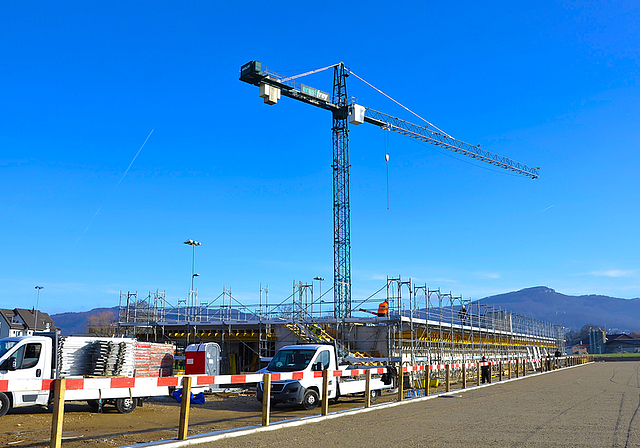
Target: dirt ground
157	419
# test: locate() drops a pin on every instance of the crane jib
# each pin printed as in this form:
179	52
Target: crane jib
445	141
253	73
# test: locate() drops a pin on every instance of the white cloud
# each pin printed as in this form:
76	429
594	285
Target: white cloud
489	275
613	273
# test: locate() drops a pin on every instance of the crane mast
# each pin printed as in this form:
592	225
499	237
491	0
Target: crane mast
346	111
341	206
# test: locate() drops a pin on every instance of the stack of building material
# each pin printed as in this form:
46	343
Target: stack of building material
74	356
115	359
152	359
124	365
97	356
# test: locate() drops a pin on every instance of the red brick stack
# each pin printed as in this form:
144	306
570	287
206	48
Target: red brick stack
152	359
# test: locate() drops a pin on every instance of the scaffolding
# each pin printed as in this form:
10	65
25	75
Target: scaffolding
423	326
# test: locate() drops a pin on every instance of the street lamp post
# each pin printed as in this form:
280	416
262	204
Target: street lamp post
35	328
320	279
193	244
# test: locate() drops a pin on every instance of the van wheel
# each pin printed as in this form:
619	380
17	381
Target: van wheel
5	404
125	405
310	399
374	395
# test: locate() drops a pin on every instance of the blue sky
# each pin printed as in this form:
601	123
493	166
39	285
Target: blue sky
550	84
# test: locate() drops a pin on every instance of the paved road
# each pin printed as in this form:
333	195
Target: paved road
596	405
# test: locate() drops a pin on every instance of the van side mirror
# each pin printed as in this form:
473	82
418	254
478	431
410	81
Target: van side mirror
9	364
318	367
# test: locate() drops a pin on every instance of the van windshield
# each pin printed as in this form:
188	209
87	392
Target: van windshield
5	346
290	360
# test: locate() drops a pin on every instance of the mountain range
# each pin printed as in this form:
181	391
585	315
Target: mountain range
572	312
542	303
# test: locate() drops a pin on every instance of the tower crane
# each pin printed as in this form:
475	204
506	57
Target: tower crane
346	111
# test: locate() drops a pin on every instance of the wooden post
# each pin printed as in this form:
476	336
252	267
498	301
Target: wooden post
510	369
400	383
524	367
500	369
59	387
517	367
447	381
464	375
490	371
183	429
427	379
367	389
478	373
325	392
266	399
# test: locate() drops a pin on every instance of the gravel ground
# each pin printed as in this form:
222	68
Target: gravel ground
596	405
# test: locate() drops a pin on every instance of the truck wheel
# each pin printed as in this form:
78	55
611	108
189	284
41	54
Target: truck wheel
310	399
5	404
374	395
94	405
125	405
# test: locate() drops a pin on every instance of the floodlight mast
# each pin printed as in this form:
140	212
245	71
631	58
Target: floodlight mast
345	110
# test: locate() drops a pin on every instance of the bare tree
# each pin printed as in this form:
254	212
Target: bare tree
101	324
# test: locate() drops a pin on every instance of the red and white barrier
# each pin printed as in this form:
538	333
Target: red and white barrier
202	380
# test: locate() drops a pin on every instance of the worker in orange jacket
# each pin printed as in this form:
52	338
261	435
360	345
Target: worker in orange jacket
383	309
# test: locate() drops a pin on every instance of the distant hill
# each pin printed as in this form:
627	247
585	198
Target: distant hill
571	311
75	323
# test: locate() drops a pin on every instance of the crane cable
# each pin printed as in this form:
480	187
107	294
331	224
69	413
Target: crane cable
399	104
290	78
386	158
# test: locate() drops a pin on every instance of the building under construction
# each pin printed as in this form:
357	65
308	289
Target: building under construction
401	322
415	324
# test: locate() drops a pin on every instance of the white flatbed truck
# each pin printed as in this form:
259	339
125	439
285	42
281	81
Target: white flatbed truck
307	391
40	358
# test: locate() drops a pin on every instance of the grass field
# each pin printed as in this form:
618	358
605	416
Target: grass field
616	355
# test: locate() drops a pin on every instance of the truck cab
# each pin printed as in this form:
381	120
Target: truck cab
27	357
306	359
